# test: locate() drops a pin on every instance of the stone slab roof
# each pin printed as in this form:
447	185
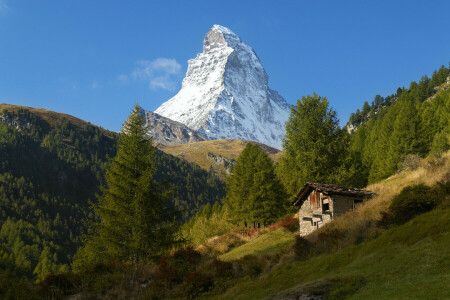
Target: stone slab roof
330	189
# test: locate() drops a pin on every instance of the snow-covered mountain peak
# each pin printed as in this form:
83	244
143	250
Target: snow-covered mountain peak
219	36
225	93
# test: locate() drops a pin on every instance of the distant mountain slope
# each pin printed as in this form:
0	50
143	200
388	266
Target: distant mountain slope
225	94
429	88
216	155
51	167
164	131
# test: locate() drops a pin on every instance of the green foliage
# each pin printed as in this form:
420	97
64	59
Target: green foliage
254	193
401	125
14	285
412	201
208	222
48	174
191	187
315	149
136	222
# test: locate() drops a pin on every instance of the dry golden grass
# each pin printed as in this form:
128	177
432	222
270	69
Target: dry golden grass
228	148
217	245
361	221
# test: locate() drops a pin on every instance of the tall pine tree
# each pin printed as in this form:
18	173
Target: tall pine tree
135	221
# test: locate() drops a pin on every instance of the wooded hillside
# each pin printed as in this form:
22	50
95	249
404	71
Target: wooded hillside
51	167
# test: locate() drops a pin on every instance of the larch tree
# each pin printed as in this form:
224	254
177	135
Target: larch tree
136	222
314	148
255	195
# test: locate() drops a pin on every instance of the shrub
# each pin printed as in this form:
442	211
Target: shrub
173	268
221	269
195	283
412	201
290	223
14	286
224	242
250	265
57	286
302	247
410	162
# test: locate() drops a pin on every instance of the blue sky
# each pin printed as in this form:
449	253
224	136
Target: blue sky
95	59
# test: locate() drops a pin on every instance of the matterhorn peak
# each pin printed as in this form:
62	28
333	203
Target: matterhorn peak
219	36
225	93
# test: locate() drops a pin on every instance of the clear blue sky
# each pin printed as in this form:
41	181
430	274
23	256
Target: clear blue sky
78	57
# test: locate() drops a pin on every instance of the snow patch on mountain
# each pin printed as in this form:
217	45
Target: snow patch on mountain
225	93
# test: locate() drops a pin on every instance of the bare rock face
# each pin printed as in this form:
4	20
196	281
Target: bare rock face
225	94
167	132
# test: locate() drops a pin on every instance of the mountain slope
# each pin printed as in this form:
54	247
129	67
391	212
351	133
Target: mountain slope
225	94
394	133
407	261
51	167
167	132
216	155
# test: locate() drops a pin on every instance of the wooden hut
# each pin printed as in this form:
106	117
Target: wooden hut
319	203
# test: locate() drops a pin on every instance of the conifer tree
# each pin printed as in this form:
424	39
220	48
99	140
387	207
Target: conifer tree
255	195
405	137
135	222
314	147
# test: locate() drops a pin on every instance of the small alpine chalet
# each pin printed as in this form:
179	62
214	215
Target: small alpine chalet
319	203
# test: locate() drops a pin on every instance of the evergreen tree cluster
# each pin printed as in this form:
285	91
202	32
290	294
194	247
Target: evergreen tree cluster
51	168
410	125
425	88
48	174
414	121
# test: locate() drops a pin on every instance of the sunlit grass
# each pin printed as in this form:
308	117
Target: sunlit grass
267	242
406	262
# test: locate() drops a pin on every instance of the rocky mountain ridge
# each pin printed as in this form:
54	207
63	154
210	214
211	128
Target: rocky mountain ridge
164	131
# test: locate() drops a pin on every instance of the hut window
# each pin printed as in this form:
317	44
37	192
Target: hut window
325	204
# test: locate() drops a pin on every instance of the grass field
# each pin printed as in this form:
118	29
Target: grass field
411	261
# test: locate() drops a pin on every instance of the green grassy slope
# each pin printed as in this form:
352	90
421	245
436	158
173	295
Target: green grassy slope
411	261
403	262
265	243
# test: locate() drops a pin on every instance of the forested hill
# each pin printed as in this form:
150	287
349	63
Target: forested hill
394	132
427	87
51	167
